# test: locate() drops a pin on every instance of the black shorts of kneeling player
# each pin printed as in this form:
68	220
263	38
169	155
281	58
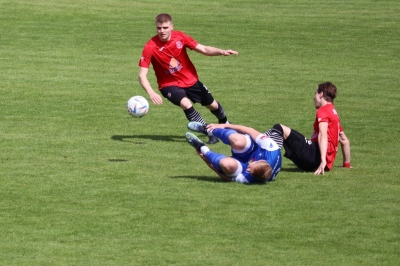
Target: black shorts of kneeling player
302	152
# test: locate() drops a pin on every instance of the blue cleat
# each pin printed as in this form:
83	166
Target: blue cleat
197	127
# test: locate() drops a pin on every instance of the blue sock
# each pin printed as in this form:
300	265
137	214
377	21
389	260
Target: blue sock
223	134
214	159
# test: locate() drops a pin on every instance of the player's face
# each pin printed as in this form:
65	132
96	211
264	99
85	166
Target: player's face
317	99
164	30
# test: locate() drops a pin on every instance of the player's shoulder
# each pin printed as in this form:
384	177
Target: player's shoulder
178	33
152	45
328	111
155	40
323	110
266	143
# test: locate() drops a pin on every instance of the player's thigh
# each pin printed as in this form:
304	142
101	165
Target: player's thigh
295	143
303	152
310	159
243	154
174	94
240	142
199	93
229	165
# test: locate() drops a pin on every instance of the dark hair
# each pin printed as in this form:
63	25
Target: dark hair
329	91
262	171
163	17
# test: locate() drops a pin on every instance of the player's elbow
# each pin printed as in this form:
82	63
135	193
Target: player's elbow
141	78
344	141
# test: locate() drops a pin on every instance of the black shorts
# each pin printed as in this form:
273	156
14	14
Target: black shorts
198	93
302	152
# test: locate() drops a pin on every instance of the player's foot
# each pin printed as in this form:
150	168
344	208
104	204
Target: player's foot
197	127
194	141
212	140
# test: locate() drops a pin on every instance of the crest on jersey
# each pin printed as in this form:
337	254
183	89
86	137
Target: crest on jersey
179	45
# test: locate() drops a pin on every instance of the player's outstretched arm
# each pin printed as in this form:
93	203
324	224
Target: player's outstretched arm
239	128
213	51
144	82
345	145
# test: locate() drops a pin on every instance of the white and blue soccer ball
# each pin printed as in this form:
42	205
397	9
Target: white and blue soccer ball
137	106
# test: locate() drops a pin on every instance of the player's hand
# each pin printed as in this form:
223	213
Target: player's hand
202	156
320	169
156	99
229	52
214	126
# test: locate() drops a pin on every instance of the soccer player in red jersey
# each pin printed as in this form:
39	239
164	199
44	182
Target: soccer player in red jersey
318	154
176	75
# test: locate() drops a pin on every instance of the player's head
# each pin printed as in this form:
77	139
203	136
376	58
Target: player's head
326	92
260	170
164	26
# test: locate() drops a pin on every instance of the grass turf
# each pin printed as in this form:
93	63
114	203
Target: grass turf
82	183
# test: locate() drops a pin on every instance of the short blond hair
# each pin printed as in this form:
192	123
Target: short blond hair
262	171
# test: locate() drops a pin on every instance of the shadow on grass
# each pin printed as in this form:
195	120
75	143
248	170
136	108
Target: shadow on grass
117	160
212	179
132	138
292	170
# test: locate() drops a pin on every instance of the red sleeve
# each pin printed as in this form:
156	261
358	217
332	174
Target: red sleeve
322	115
145	59
189	41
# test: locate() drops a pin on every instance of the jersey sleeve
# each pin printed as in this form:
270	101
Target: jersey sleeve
322	116
267	143
241	179
189	41
145	59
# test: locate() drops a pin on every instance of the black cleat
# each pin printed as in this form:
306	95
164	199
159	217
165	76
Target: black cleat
194	141
212	140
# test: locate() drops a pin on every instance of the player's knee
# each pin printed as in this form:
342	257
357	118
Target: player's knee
185	103
212	106
237	141
279	128
228	165
284	130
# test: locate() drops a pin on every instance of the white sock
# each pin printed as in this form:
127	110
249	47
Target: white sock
204	150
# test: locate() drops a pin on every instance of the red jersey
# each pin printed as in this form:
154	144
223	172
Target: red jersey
327	113
170	60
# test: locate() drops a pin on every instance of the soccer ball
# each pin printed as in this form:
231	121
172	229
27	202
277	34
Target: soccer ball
137	106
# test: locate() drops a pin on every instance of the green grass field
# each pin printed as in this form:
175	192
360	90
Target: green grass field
82	183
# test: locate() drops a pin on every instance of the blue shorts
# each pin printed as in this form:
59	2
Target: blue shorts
244	156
